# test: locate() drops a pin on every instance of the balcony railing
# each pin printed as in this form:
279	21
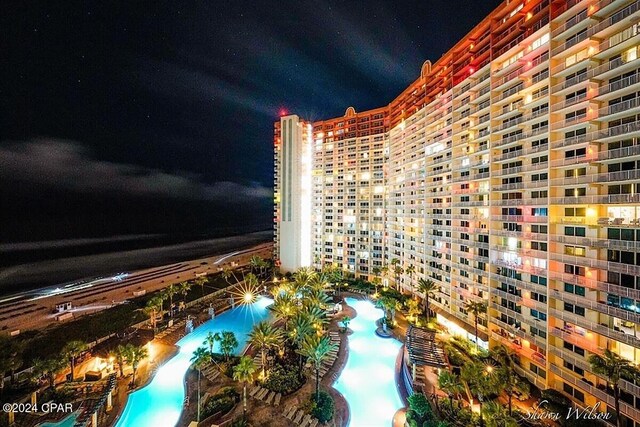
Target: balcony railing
619	107
618	85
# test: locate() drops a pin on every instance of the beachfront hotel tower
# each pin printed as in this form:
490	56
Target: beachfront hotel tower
508	172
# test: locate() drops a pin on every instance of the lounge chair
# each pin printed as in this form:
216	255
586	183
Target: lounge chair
305	420
262	393
289	411
298	417
254	391
292	412
270	397
276	401
313	423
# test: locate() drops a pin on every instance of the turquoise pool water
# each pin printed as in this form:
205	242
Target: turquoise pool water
65	422
368	379
159	404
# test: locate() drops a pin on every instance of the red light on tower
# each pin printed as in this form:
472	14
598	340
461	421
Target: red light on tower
283	112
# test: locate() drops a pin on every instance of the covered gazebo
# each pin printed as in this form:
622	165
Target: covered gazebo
421	350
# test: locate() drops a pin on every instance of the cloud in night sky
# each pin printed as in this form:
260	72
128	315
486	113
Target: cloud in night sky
112	111
70	166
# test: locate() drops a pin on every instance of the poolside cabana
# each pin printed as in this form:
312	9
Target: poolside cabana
421	352
423	349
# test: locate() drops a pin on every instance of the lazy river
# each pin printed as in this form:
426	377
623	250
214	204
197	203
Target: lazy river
368	380
159	404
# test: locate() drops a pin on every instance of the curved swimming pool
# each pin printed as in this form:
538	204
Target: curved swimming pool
368	380
159	404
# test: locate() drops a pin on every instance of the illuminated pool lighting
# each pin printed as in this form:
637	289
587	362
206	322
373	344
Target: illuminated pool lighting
368	380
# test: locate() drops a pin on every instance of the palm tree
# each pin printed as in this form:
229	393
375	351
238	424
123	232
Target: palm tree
200	358
121	354
336	276
201	281
283	308
345	322
227	274
170	291
397	271
384	270
228	343
154	305
316	315
49	368
428	288
251	281
243	372
409	271
386	303
136	355
316	349
450	384
210	341
376	282
497	416
476	308
71	351
184	288
301	327
303	275
614	367
376	271
317	297
255	263
10	359
264	335
320	282
481	381
509	380
511	383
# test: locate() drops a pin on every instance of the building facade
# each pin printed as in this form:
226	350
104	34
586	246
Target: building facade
508	173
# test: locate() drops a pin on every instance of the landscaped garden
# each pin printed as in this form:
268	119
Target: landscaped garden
290	350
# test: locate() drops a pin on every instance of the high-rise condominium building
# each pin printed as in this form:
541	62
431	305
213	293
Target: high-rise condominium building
508	173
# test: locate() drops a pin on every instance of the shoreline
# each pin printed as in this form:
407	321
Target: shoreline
56	271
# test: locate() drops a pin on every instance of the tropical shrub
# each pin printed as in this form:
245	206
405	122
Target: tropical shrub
455	357
284	379
394	294
238	422
221	402
420	413
323	408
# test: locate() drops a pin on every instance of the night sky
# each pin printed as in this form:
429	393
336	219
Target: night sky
157	117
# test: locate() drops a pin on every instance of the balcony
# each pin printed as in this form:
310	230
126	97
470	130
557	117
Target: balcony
596	263
620	153
592	326
575	160
601	395
575	20
620	107
620	176
627	82
569	83
604	199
